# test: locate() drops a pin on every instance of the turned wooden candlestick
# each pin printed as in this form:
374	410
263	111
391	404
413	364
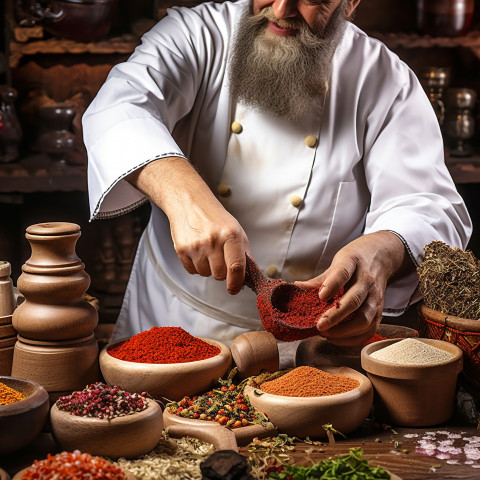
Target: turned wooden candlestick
54	283
56	347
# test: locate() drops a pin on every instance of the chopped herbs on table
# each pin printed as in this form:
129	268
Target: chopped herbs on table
103	401
226	405
346	467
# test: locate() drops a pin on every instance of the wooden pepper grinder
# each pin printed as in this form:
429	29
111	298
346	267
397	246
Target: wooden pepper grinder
56	346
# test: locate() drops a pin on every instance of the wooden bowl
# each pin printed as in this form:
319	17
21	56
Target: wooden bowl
254	352
59	366
305	416
413	395
317	352
243	435
128	475
463	332
4	475
7	330
6	319
172	381
129	436
22	421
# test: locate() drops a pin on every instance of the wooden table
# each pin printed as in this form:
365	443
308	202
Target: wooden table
396	450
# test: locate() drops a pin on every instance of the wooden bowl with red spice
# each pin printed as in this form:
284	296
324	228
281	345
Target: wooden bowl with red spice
107	421
309	398
177	376
23	419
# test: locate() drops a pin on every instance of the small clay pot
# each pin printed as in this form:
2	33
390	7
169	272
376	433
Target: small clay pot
413	395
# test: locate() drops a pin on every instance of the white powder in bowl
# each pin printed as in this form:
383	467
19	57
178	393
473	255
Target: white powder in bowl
412	352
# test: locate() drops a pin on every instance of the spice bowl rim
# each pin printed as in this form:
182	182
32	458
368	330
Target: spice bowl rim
101	422
38	396
380	367
77	432
128	475
224	352
344	397
306	416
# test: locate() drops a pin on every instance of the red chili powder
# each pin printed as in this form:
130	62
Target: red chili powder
297	314
309	382
375	338
164	345
74	466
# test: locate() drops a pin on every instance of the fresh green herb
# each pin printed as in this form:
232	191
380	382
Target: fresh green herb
347	467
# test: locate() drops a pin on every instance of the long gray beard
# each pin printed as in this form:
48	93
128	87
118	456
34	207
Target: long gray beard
283	75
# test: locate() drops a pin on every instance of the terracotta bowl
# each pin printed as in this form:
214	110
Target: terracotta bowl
413	395
317	352
129	436
463	332
172	381
22	421
305	416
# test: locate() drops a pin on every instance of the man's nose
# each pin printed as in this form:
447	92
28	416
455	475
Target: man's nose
285	8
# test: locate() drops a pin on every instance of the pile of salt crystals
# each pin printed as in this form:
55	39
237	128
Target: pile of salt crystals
411	351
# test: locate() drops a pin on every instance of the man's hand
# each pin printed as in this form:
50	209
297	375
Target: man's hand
363	268
207	239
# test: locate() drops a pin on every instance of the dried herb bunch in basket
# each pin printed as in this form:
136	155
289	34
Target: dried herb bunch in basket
450	280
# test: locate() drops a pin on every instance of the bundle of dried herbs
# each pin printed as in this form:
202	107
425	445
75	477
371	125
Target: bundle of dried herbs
450	280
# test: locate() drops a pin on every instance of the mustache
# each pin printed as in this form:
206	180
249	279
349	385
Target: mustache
266	15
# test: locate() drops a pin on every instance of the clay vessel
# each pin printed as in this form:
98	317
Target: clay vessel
54	283
7	298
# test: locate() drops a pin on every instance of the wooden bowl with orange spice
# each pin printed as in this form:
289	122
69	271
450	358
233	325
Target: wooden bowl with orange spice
303	400
24	409
166	362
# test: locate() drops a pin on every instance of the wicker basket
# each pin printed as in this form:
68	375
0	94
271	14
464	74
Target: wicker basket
462	332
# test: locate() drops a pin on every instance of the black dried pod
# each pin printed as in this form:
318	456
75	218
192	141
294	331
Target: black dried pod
225	465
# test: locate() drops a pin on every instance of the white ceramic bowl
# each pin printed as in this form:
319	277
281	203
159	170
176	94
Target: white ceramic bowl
22	421
172	381
129	436
305	416
413	395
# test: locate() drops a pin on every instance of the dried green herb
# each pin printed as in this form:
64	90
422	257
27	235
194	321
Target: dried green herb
450	280
347	467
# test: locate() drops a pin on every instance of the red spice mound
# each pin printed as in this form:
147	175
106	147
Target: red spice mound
296	315
74	466
164	345
375	338
309	382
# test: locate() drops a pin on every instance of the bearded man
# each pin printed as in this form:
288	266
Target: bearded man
280	130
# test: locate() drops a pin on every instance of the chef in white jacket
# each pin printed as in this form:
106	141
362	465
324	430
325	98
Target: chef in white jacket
279	129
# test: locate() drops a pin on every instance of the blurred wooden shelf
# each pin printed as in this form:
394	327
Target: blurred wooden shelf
415	40
464	169
40	173
124	44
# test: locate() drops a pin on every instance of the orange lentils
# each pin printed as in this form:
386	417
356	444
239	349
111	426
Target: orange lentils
309	382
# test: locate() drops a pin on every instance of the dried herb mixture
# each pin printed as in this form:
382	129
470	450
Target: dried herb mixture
450	280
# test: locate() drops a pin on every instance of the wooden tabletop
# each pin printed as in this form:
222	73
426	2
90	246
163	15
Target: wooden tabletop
440	453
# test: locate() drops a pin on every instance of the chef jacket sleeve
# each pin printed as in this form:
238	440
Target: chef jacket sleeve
412	192
130	121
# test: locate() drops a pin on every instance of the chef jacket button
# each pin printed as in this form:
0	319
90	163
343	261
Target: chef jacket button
223	190
271	271
236	127
296	200
310	141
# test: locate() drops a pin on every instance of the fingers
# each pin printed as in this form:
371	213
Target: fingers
234	252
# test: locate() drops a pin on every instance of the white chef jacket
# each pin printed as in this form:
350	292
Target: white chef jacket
367	157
